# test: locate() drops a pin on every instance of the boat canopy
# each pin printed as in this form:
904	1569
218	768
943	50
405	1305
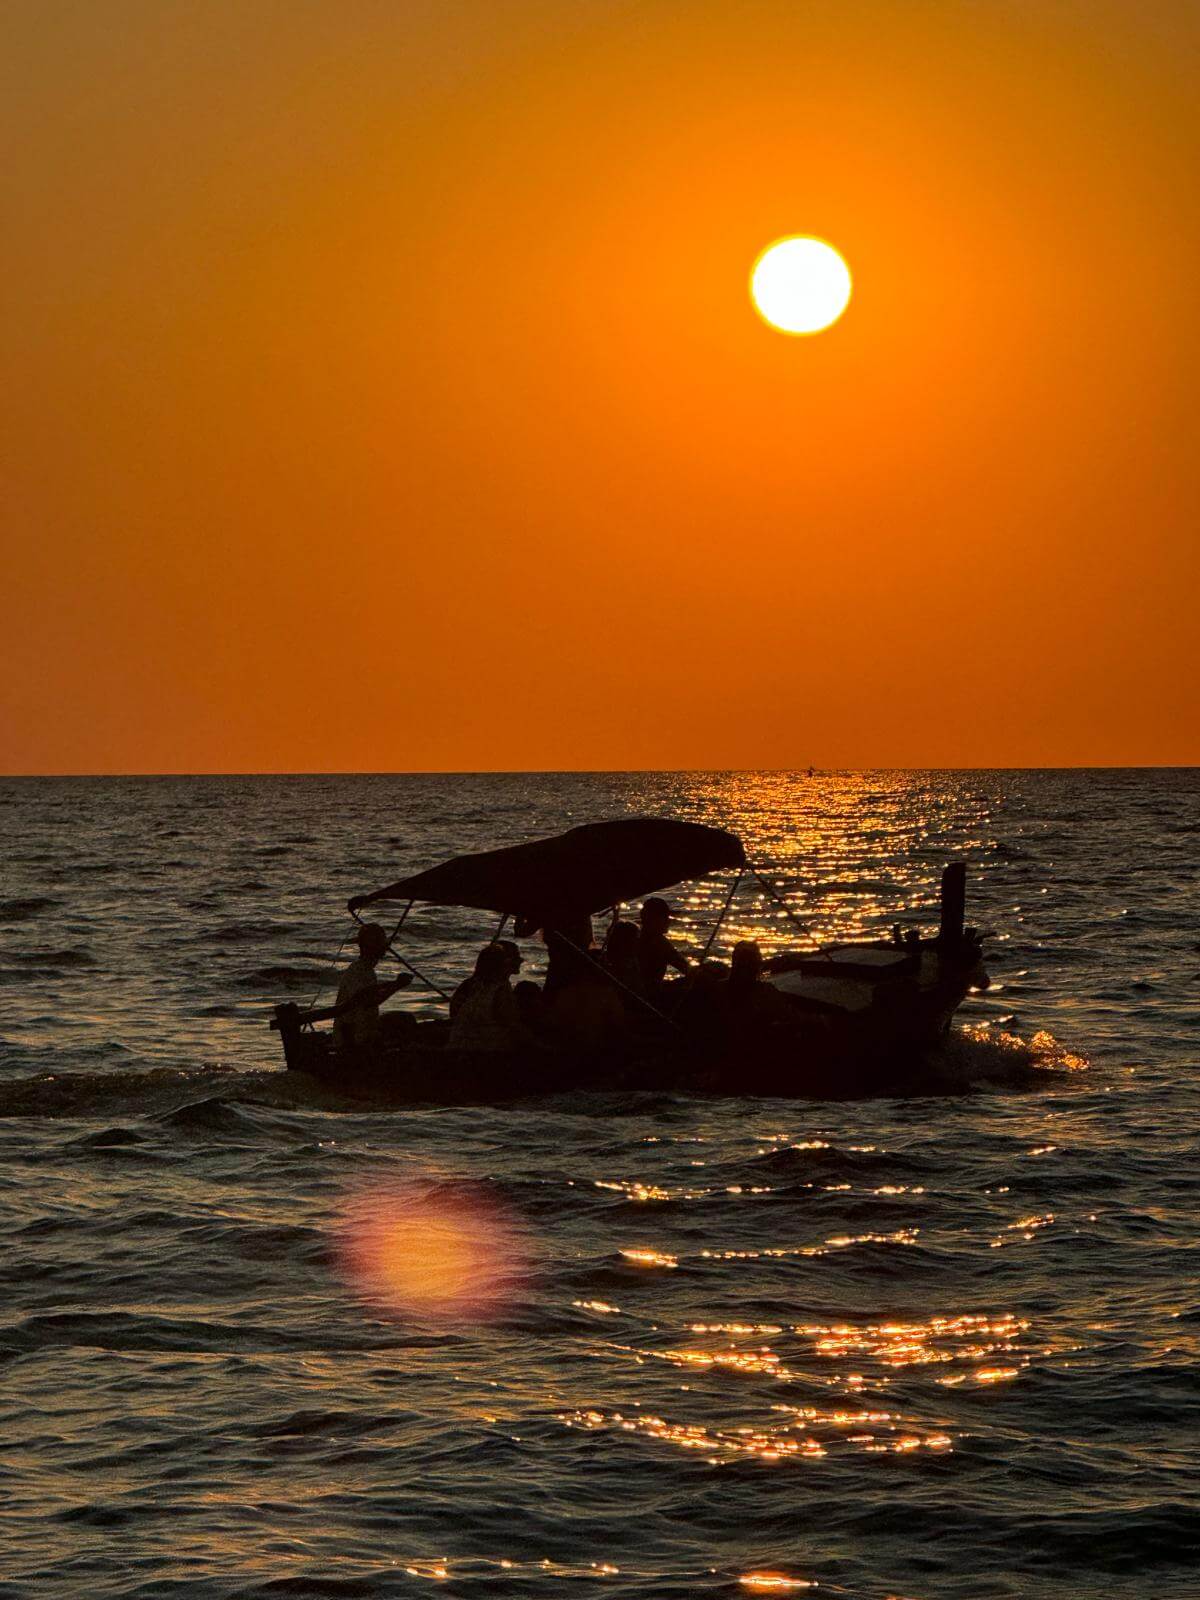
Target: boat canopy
582	871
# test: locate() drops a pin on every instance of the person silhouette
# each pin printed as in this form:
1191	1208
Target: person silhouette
655	951
360	1026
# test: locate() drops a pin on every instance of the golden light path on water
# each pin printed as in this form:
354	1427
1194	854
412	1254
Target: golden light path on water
763	1378
848	855
851	856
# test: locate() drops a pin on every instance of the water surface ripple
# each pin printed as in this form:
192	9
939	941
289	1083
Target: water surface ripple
938	1348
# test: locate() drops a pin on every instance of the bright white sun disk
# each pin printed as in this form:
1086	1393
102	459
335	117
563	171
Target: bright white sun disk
800	285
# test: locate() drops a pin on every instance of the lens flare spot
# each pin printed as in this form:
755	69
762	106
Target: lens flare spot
434	1251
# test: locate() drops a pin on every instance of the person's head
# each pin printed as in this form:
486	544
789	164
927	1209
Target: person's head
747	962
656	914
623	939
372	941
492	963
512	951
528	999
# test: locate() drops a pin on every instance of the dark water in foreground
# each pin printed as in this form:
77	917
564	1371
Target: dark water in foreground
936	1347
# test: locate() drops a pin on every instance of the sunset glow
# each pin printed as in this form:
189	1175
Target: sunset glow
426	311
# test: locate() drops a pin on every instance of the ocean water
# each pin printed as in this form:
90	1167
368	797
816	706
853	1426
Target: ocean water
257	1341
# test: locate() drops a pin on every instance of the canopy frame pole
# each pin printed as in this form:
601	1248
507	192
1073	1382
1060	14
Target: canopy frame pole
332	964
724	913
617	984
417	973
395	933
770	890
403	960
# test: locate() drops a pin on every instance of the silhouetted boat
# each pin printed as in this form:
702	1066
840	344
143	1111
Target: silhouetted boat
858	1019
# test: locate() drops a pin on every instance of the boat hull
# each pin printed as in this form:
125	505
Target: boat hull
879	1049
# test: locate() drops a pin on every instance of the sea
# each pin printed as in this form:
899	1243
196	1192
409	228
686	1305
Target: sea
260	1340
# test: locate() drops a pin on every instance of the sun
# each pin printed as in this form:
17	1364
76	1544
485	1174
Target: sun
800	284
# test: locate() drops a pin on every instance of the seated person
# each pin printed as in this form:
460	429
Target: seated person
513	952
622	958
655	951
483	1013
699	1008
360	1026
527	996
745	998
586	1012
568	941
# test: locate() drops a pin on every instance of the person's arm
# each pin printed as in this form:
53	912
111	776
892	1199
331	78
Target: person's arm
374	994
676	959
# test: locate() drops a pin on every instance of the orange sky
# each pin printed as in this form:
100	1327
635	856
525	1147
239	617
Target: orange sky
382	391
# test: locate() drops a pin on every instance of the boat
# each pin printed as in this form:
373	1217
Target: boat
853	1018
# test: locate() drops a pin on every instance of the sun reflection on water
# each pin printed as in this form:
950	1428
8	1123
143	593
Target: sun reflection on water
837	1241
850	853
439	1569
649	1258
773	1583
802	1434
939	1340
745	1383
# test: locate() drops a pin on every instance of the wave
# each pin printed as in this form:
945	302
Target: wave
51	958
151	1331
210	1115
106	1139
260	932
284	978
81	1094
816	1158
20	909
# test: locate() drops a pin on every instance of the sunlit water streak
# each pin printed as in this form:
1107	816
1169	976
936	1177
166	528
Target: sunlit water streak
935	1347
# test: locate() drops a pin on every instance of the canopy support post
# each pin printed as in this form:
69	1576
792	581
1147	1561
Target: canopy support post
417	973
770	890
617	984
404	961
396	930
953	905
332	964
724	913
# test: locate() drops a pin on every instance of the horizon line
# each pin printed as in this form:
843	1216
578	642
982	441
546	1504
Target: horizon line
590	772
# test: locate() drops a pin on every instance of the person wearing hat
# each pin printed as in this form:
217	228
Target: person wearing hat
360	1027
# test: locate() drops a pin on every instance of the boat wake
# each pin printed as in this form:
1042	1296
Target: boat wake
979	1057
